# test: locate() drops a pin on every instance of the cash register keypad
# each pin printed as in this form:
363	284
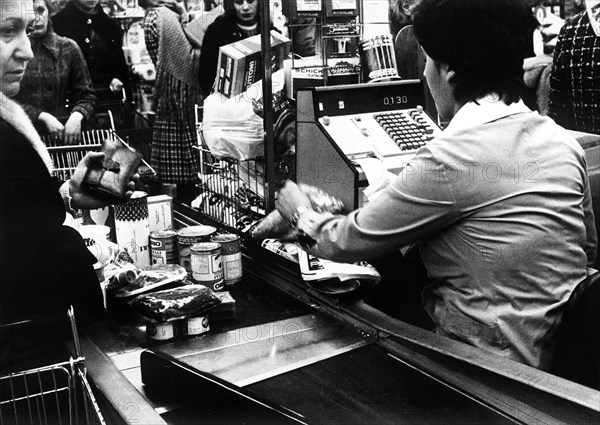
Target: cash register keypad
408	130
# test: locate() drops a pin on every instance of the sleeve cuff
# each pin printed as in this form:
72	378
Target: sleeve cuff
65	193
310	221
83	111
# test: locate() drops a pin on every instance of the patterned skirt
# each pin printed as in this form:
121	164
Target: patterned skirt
174	135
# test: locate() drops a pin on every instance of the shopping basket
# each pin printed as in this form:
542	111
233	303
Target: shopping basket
66	157
54	394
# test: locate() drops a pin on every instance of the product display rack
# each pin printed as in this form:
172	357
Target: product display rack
337	30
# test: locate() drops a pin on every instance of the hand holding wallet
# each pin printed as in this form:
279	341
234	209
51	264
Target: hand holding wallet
109	180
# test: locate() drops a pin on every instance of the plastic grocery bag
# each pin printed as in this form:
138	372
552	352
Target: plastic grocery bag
231	128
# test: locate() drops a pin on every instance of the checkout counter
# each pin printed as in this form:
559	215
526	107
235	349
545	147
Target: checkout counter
293	354
296	355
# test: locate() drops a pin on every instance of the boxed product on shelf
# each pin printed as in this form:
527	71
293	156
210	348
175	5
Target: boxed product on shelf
303	73
240	63
341	8
160	212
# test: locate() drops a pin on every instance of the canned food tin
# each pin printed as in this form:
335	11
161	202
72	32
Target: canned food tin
207	267
163	247
164	331
188	236
195	326
231	251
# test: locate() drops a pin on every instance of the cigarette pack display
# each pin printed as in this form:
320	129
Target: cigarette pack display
160	212
341	8
240	63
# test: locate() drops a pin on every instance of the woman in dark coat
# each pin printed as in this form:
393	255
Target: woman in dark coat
239	21
44	266
100	39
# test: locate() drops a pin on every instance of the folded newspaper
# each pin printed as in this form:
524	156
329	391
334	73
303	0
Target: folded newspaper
313	268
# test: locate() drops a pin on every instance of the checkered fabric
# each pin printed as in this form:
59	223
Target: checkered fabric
151	34
173	157
575	79
174	135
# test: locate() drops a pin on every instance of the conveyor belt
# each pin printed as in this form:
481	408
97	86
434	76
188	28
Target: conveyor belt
364	385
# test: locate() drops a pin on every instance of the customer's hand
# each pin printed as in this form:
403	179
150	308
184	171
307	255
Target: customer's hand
81	199
73	128
116	85
54	126
289	199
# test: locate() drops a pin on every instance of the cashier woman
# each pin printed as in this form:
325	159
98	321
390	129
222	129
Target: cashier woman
44	266
499	203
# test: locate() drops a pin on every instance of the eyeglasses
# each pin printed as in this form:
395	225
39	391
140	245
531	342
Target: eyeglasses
241	2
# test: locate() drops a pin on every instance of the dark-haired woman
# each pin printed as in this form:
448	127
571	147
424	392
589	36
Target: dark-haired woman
240	20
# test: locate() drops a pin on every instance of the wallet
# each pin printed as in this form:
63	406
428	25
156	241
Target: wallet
109	180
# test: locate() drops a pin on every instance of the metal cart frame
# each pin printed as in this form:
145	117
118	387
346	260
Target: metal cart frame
54	394
66	157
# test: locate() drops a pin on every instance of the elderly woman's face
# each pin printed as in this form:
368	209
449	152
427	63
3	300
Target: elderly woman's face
16	18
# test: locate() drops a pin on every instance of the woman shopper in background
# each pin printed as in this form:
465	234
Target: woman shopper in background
240	20
100	39
57	74
174	47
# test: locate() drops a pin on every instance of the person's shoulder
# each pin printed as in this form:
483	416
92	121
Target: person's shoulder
161	14
104	19
575	22
560	136
216	28
60	18
67	12
66	44
221	22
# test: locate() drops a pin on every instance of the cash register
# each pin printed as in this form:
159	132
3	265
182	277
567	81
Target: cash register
343	130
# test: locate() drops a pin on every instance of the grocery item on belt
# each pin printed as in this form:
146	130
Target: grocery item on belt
137	281
225	310
174	304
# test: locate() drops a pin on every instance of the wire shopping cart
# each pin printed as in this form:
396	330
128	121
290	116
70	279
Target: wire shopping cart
66	157
231	192
55	394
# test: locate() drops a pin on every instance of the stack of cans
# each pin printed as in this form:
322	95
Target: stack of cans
218	263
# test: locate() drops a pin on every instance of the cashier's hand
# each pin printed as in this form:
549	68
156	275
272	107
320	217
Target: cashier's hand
81	199
289	199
